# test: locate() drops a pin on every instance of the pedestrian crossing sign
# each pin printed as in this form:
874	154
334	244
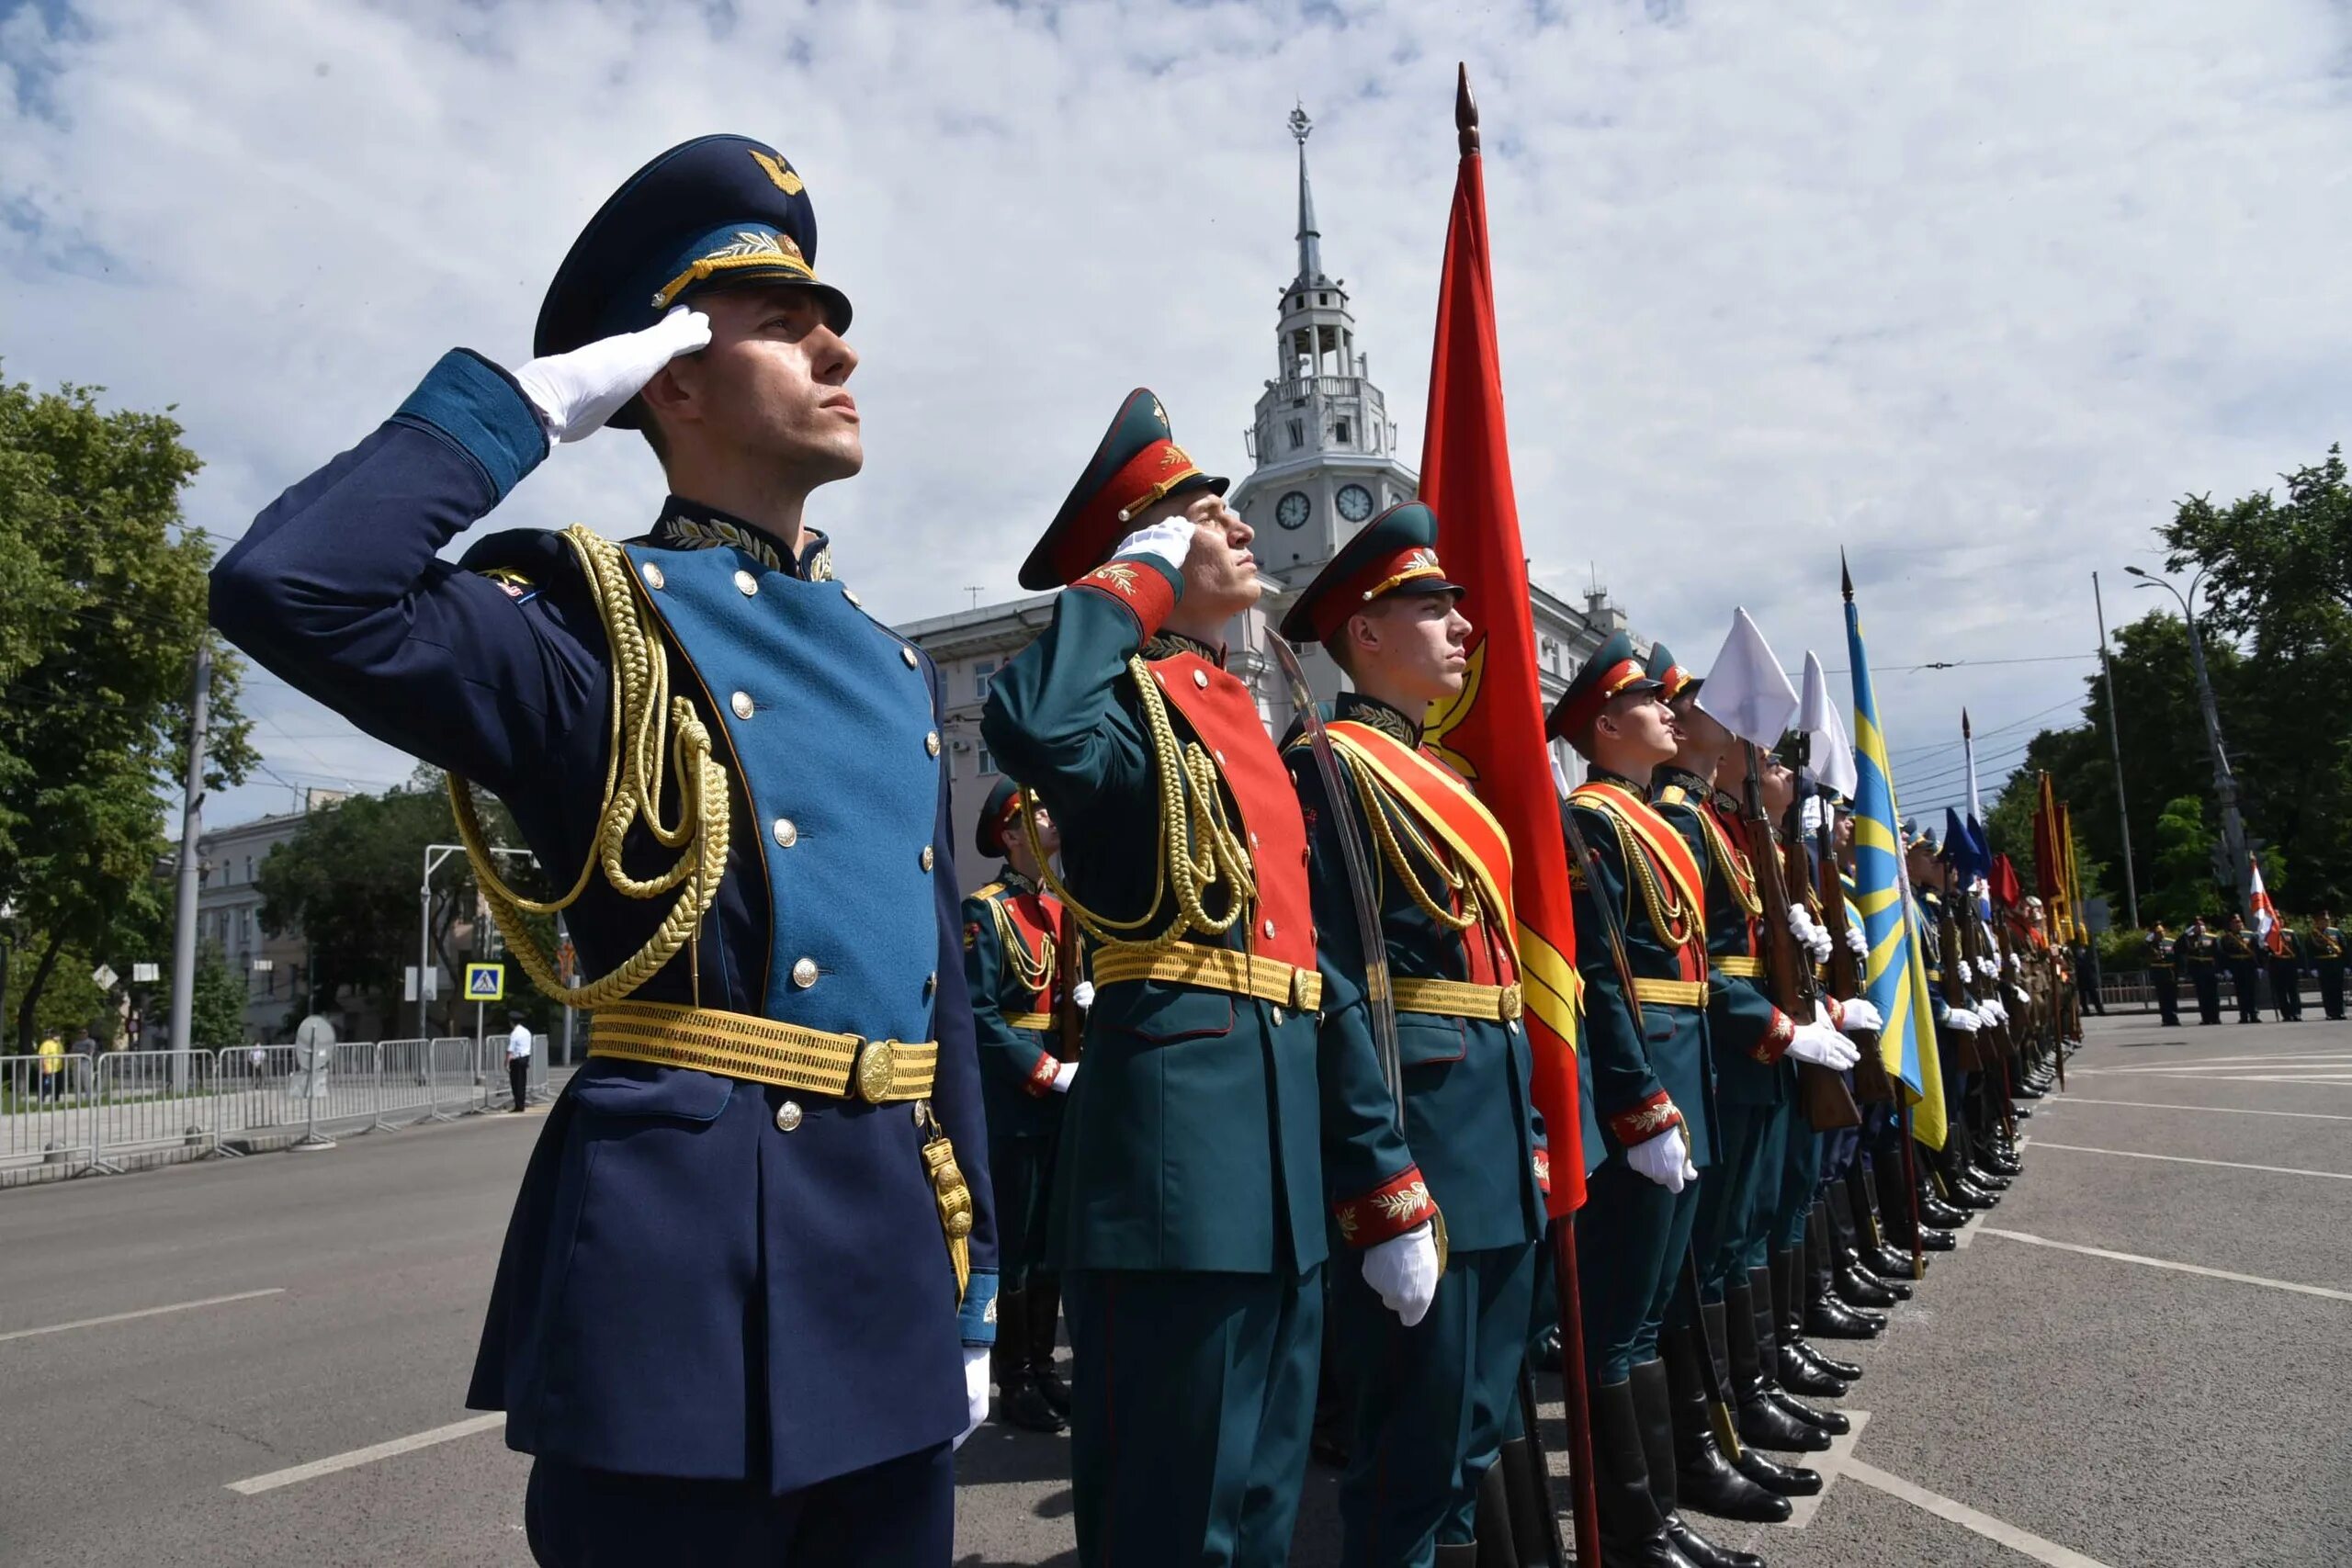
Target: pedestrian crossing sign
485	981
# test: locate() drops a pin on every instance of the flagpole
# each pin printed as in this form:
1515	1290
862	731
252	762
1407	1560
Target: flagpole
2115	747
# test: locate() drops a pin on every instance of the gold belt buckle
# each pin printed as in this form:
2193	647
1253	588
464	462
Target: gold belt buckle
877	1069
1299	989
1513	1002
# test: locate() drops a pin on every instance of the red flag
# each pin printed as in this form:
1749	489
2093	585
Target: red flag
1493	733
2007	888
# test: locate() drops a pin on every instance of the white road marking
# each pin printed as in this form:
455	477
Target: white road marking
1831	1463
2186	1159
2167	1263
2225	1110
2024	1542
142	1312
357	1457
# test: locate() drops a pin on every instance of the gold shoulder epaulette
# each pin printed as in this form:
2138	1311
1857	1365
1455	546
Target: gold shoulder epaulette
1673	795
990	891
516	583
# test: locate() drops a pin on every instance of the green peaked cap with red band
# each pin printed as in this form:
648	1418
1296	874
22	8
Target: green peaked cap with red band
1396	553
1674	680
997	813
1138	463
1612	672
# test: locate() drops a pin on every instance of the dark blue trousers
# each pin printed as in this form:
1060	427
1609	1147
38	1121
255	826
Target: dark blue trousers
1631	1237
900	1514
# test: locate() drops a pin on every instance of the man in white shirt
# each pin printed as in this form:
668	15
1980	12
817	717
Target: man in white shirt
518	1060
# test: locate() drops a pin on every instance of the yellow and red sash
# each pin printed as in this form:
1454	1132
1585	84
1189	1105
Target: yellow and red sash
1437	796
1667	849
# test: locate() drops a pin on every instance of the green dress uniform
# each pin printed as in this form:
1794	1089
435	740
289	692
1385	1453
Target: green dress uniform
1017	966
1432	1403
2164	971
2197	955
2328	958
1188	1217
2286	960
2241	957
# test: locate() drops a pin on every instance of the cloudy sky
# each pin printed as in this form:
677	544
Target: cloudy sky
1973	289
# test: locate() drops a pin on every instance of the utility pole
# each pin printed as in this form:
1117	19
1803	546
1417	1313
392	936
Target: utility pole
190	868
2225	784
2115	745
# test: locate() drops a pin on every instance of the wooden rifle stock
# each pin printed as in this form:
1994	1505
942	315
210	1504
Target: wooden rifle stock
1964	1049
1827	1104
1872	1084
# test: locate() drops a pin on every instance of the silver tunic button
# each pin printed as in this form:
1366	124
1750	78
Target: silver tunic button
908	655
931	743
856	603
747	582
788	1116
742	702
1269	927
652	575
1220	759
803	972
930	983
1201	679
1253	840
787	833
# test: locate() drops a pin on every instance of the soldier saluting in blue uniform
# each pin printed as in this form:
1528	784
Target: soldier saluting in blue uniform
744	1304
1208	1120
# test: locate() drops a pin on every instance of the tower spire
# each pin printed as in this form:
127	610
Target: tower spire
1310	241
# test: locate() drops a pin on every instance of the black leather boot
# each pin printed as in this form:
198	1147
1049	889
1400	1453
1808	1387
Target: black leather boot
1791	1269
1966	1195
1990	1181
1464	1555
1705	1481
1490	1540
1761	1421
1826	1316
1528	1508
1880	1253
1844	1244
1019	1403
1759	1290
1653	1411
1935	1212
1800	1370
1788	1480
1043	1312
1633	1530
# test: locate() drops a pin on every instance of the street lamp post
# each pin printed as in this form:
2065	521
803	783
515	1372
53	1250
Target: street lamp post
2225	787
433	856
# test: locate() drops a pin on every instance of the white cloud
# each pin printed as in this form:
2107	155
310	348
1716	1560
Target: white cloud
1975	290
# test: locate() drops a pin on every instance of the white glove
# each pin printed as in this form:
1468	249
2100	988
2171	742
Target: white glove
577	393
1169	540
2016	965
1823	1047
1821	943
1961	1020
1801	924
2018	992
1665	1159
1861	1017
1857	941
976	1391
1064	1076
1402	1272
1990	1008
1082	994
1961	966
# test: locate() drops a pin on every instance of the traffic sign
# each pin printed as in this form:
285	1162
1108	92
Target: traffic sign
485	981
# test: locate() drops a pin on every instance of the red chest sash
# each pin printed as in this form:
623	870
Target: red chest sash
1442	802
1221	712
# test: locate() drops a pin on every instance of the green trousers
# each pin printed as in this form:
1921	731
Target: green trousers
1191	1398
1800	1179
1432	1402
1630	1237
1739	1194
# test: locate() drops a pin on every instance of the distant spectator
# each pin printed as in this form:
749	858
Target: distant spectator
53	1065
518	1060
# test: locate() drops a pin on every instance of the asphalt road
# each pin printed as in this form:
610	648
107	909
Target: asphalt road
2035	1404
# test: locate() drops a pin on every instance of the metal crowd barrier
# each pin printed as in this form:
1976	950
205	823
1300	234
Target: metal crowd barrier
67	1115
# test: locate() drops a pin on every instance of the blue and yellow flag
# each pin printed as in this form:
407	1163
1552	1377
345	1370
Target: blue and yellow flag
1896	978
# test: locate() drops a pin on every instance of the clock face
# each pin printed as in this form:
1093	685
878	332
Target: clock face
1355	502
1292	508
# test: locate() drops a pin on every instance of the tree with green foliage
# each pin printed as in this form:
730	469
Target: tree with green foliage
106	595
2180	882
2268	562
347	882
217	1010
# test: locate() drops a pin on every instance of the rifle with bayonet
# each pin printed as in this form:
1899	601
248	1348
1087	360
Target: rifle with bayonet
1966	1054
1788	973
1872	1084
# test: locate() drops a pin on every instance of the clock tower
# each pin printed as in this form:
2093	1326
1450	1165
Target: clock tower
1323	453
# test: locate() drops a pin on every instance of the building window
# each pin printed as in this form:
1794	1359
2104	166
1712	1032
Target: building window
983	671
1322	298
1344	436
1298	434
988	763
249	860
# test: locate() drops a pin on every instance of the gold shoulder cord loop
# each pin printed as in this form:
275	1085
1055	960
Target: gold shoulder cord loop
1034	973
1458	884
648	724
1189	810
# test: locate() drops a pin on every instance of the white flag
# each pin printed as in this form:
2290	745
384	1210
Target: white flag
1832	754
1746	690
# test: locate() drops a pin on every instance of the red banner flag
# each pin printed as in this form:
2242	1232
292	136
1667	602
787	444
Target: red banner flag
1493	733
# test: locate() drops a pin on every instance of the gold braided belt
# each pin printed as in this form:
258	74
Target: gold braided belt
1743	968
1212	969
1460	998
1670	993
1030	1020
812	1061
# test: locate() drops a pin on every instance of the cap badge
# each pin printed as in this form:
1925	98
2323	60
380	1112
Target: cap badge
779	172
